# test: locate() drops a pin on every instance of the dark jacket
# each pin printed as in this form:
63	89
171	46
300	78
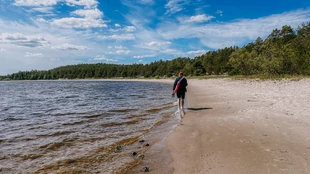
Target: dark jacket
183	84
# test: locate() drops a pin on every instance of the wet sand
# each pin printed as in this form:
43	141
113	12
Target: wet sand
244	126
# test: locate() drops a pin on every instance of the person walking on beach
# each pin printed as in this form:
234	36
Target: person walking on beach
179	87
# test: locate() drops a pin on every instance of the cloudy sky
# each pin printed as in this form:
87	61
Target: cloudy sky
43	34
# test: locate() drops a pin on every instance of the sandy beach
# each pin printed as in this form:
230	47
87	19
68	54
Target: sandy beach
243	126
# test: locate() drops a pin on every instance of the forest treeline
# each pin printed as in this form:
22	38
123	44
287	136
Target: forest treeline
284	51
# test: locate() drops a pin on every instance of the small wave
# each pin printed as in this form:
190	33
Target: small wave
72	96
127	166
136	116
155	110
92	139
5	109
32	156
123	142
65	114
57	145
51	109
94	116
73	123
36	113
28	139
82	104
35	127
98	156
55	134
120	123
123	110
168	104
138	96
10	118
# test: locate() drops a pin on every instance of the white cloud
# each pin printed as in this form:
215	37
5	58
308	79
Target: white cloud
33	54
88	18
123	51
146	2
84	23
197	52
220	12
140	61
22	40
35	2
154	43
198	19
105	59
70	47
144	56
89	13
130	28
119	37
237	32
110	47
2	50
86	3
40	20
171	51
114	30
174	6
119	47
117	25
43	9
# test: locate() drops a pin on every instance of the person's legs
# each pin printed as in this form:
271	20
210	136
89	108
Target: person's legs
179	100
179	107
183	99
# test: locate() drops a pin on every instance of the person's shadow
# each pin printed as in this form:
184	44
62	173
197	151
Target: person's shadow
197	109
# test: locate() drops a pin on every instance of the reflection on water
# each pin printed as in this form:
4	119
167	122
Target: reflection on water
77	126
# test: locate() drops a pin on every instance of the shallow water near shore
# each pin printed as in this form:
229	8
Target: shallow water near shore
80	126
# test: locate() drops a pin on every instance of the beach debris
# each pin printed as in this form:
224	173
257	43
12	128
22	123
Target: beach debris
70	161
147	144
146	169
134	153
118	149
99	158
26	157
141	141
141	156
139	147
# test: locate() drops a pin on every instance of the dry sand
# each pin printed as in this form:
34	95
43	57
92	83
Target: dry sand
244	126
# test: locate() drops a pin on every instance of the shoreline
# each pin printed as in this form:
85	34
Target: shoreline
243	126
167	80
158	158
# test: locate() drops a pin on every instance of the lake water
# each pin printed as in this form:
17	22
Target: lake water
78	126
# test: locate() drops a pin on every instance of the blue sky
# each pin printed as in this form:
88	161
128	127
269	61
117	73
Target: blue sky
43	34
